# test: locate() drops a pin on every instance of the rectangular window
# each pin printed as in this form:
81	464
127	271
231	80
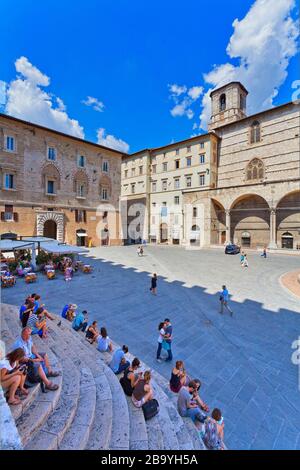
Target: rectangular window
202	179
8	213
51	153
202	145
165	167
9	181
10	144
177	151
80	215
177	164
126	173
133	189
164	185
176	200
194	211
188	149
154	187
202	158
105	167
141	170
81	161
50	187
80	190
188	161
132	171
188	181
153	168
164	210
177	183
104	194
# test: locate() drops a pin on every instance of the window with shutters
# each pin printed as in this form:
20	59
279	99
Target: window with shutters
9	181
10	143
80	216
105	167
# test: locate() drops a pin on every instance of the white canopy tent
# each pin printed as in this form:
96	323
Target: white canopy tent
7	245
63	248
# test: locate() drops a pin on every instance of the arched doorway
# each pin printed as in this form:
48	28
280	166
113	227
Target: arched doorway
287	241
218	223
288	221
50	229
163	233
250	221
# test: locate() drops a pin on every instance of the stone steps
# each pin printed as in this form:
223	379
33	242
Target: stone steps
90	410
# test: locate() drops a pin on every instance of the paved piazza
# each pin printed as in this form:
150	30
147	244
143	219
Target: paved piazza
244	361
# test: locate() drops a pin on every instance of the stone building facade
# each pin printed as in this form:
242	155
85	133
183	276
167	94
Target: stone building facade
238	183
58	186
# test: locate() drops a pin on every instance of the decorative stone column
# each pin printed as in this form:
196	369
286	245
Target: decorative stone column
273	243
228	227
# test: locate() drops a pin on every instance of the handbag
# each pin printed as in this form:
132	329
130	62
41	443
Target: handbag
150	409
166	346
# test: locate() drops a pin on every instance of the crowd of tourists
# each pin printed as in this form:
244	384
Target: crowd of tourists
25	365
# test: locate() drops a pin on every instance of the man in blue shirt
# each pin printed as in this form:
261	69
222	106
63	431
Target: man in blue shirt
118	363
224	299
80	322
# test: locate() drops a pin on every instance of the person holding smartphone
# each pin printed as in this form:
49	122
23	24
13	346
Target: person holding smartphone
13	375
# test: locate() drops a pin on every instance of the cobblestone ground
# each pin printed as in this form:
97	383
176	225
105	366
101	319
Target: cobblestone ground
244	362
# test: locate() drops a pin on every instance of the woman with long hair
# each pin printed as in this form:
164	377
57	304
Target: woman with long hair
13	375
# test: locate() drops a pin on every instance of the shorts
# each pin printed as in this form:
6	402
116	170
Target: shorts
38	364
138	403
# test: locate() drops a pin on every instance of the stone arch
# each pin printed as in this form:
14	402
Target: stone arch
51	171
288	218
57	217
250	213
218	222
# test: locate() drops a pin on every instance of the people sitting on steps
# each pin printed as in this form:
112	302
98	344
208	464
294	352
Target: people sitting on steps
119	363
13	376
142	391
131	377
80	321
213	431
178	377
187	407
38	362
37	323
92	332
104	343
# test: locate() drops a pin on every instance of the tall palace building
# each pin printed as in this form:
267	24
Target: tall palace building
240	182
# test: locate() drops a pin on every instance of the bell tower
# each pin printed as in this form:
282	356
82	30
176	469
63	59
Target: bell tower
228	104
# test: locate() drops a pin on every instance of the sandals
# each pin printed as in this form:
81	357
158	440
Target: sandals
16	401
52	387
53	374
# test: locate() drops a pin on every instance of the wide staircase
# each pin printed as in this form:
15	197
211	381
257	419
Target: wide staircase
90	409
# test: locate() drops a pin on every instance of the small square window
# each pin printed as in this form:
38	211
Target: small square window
51	153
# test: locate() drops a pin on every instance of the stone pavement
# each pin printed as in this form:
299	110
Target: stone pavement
244	362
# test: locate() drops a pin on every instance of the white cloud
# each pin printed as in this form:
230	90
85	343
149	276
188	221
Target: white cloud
94	103
177	90
26	100
195	92
264	41
2	93
110	141
184	98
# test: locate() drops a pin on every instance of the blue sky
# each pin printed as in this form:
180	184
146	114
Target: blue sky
127	53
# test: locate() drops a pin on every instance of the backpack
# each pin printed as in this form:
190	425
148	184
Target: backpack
211	438
150	409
